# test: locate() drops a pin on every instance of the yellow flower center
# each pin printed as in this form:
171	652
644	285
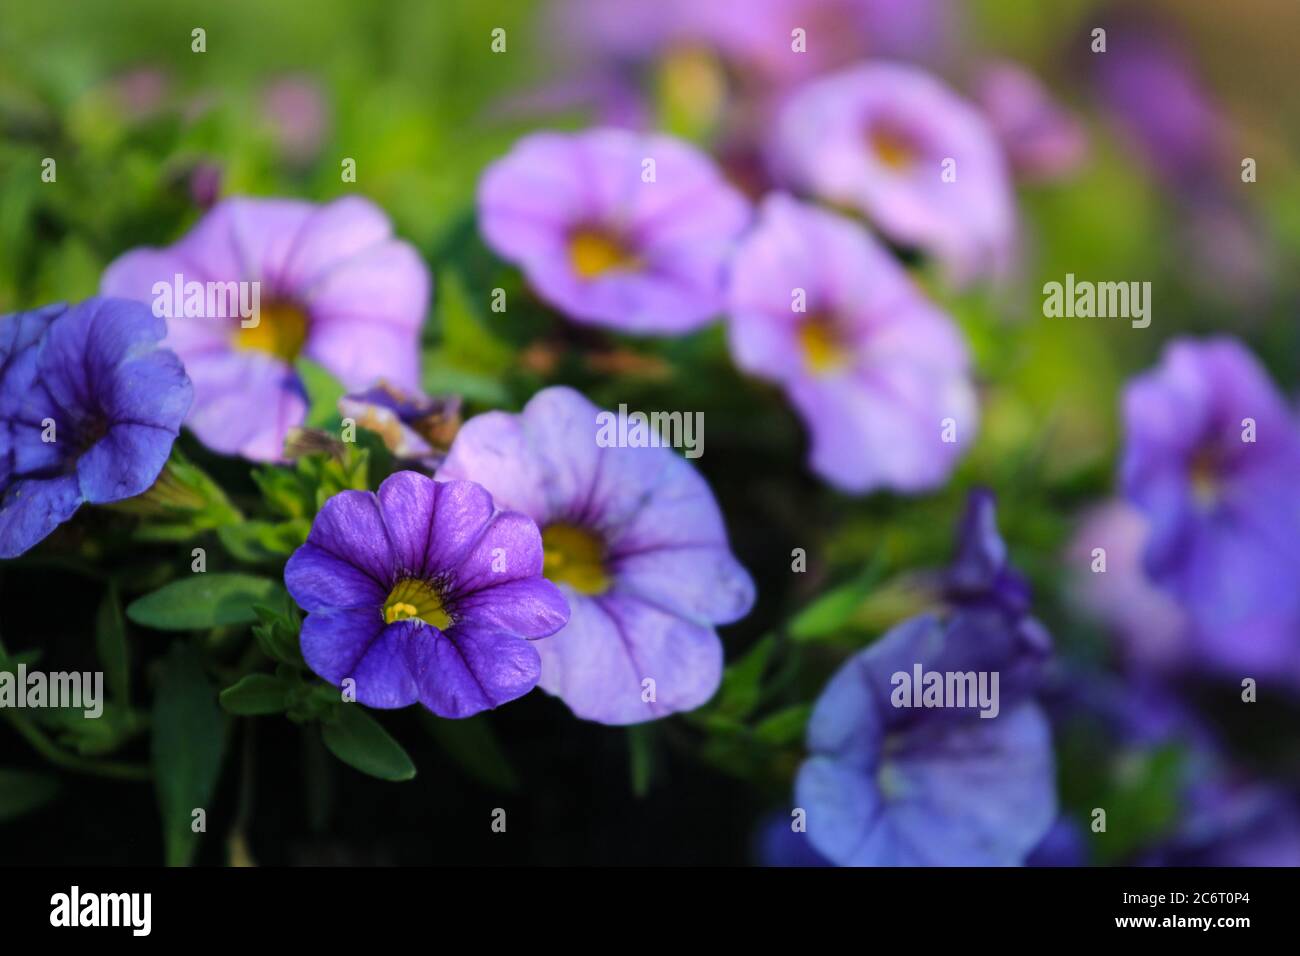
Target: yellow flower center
822	347
891	146
574	557
593	252
1204	477
413	598
281	330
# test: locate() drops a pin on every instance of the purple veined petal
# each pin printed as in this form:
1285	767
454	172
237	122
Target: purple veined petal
82	349
530	607
561	431
843	807
320	580
351	526
495	450
20	331
248	239
510	548
332	235
700	583
245	403
468	669
31	508
151	389
614	643
651	498
134	274
124	463
360	352
529	198
432	525
356	644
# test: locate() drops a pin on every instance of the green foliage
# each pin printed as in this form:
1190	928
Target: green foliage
357	739
210	599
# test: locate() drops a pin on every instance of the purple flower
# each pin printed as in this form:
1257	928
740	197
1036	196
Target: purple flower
424	592
333	286
634	539
89	409
894	143
954	782
615	228
1211	460
878	374
1042	141
414	427
1234	822
296	112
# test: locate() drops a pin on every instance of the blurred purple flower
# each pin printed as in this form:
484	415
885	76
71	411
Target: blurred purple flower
1042	141
608	238
1211	460
295	110
924	166
870	365
777	843
142	91
89	409
635	540
1066	844
897	786
205	184
413	426
1233	823
1148	623
424	592
335	286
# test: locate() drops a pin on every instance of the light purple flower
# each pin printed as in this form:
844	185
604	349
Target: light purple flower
635	540
1211	458
615	228
894	143
295	109
1042	141
424	592
877	373
335	287
1149	625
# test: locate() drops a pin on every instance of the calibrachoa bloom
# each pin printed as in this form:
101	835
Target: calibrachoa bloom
413	426
615	228
335	287
894	785
89	409
636	542
1211	460
924	166
878	374
424	592
1042	140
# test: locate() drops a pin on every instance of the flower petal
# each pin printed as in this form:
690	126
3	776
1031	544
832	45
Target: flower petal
468	669
30	509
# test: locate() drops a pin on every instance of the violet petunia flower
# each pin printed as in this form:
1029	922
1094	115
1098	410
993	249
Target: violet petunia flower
89	409
332	285
895	144
424	592
1043	141
635	540
878	374
413	426
961	783
1211	459
614	228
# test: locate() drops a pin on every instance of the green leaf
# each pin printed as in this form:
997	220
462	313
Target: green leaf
22	791
785	726
473	744
202	601
110	643
832	610
467	342
323	393
254	695
640	743
742	681
359	741
188	736
260	542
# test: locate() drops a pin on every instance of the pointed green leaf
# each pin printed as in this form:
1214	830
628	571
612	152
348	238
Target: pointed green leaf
359	741
254	695
203	601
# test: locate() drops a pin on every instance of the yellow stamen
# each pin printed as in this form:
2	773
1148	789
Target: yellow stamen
413	598
593	252
574	557
281	330
822	348
1204	477
892	147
